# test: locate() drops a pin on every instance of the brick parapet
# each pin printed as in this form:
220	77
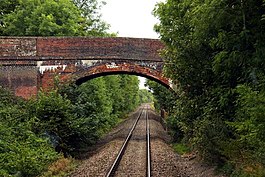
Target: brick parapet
20	58
70	48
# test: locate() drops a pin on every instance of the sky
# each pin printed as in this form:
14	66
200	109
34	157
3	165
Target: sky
131	18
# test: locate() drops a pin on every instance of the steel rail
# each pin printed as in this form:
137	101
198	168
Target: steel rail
148	146
116	163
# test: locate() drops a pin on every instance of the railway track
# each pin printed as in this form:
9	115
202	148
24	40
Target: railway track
165	162
143	116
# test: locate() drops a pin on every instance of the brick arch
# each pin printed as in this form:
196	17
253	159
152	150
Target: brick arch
118	68
30	63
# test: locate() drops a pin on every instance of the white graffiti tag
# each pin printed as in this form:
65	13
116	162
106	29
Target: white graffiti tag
112	65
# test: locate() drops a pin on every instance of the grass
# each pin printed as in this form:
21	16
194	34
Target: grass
180	148
61	167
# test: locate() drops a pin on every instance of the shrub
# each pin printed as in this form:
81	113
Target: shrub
22	152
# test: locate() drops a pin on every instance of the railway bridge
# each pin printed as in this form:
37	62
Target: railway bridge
30	63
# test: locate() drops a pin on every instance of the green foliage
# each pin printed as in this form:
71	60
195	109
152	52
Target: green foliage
93	25
43	18
98	105
145	96
21	151
64	120
51	18
181	148
94	107
113	86
53	118
32	131
218	67
249	126
6	7
7	98
130	88
163	97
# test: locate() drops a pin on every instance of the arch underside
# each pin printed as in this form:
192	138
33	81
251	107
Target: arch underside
125	68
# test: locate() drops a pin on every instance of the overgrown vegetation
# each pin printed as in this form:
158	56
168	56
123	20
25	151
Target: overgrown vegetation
215	55
38	132
22	152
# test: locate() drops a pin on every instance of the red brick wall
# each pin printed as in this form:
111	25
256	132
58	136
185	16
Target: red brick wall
19	56
21	79
43	48
26	92
98	48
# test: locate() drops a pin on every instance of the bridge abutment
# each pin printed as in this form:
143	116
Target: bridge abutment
20	79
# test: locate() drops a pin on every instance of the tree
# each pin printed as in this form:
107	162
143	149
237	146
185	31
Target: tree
164	98
6	7
90	11
129	90
209	57
114	90
98	105
145	96
51	18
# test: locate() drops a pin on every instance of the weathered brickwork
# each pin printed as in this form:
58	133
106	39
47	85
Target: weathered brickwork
28	63
99	48
14	48
121	68
21	79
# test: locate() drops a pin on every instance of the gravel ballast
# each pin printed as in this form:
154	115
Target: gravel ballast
165	162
